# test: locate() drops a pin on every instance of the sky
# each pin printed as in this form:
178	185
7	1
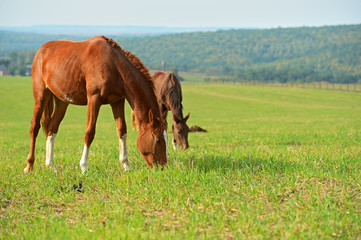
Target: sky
181	13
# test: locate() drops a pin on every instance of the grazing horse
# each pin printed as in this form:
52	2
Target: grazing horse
94	72
169	96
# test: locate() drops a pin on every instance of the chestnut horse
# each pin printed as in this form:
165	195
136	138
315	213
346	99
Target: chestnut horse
169	96
94	72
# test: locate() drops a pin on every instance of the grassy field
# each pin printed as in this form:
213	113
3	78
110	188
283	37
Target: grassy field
275	163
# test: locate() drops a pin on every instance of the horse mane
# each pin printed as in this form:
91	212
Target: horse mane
175	94
174	98
137	63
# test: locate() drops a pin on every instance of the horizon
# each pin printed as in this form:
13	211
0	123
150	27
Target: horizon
174	27
128	31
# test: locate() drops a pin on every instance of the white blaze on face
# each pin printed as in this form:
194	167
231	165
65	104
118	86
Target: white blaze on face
166	140
84	159
123	156
50	151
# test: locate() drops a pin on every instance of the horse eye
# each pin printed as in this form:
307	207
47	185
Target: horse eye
157	141
179	132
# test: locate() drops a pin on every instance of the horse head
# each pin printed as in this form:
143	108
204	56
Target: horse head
180	131
151	141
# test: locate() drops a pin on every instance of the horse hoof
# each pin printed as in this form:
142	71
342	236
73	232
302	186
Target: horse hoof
51	167
27	169
84	169
127	167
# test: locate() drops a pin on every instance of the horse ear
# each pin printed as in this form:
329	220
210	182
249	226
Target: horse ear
171	77
186	118
176	119
150	117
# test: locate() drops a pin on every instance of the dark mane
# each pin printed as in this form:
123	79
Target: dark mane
175	100
137	63
174	93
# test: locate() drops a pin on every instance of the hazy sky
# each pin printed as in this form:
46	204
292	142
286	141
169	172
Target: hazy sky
181	13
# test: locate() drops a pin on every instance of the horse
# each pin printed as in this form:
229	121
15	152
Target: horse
169	96
94	72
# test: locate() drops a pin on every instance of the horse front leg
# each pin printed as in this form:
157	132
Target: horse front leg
92	115
118	113
174	142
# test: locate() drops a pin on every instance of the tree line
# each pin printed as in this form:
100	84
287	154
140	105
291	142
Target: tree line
18	62
304	54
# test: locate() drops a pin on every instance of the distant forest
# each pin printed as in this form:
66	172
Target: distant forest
306	54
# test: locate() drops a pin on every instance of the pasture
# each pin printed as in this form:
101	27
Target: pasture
275	163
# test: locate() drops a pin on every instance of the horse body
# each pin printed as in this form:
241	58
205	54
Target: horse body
70	76
169	97
94	72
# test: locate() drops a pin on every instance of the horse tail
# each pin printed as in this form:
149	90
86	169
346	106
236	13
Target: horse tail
133	121
48	111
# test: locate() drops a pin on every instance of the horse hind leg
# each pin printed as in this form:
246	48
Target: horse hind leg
41	99
55	120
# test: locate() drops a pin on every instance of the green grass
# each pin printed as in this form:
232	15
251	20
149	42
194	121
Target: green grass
276	163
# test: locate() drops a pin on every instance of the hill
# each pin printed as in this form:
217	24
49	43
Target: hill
306	54
330	53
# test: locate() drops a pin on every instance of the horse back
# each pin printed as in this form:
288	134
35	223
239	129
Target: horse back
73	69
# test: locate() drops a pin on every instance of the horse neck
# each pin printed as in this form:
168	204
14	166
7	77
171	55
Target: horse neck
142	97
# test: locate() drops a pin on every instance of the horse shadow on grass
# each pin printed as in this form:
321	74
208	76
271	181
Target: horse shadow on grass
233	163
